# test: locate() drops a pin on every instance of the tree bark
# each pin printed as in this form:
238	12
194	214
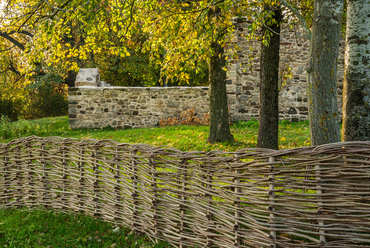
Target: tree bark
322	72
219	129
356	95
269	91
70	79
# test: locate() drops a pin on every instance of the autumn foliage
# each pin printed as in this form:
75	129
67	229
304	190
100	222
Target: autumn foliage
188	117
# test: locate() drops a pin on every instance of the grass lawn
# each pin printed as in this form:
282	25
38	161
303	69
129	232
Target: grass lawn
48	229
184	138
36	228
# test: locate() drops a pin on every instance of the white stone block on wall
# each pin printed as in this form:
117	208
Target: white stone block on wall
88	77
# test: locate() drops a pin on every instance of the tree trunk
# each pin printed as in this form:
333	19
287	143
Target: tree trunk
356	95
322	72
219	129
269	94
70	79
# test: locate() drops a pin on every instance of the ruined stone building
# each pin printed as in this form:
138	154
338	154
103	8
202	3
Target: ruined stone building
130	107
243	75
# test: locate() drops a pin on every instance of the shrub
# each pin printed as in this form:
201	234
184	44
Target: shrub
10	108
188	117
46	102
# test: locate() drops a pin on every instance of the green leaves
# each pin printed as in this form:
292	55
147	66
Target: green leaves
170	40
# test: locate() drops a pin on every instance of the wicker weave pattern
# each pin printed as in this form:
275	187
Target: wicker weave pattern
303	197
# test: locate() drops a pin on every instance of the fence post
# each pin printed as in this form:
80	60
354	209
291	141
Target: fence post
237	191
30	177
272	202
44	176
81	170
154	186
18	176
208	197
134	195
7	191
182	182
320	206
96	183
117	186
64	176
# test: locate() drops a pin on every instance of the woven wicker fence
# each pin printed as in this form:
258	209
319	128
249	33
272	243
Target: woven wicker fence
304	197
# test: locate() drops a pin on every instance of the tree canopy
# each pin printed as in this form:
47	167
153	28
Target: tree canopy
133	42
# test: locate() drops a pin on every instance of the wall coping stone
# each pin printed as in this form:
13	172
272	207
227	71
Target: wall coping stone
142	88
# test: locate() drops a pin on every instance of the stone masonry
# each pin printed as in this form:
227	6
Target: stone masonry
131	107
244	78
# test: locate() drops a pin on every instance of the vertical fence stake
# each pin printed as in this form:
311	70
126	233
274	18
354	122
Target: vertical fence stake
182	182
81	170
272	202
208	197
44	176
30	177
134	195
96	183
20	182
117	186
64	176
237	191
320	203
154	186
6	177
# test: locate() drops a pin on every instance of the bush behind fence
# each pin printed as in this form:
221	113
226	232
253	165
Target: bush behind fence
303	197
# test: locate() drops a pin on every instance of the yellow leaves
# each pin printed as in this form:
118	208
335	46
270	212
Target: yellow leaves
283	139
184	38
114	51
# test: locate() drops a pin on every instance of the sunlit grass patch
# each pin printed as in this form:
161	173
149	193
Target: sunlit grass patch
185	138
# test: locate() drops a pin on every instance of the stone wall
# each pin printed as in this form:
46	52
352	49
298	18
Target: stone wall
243	74
132	107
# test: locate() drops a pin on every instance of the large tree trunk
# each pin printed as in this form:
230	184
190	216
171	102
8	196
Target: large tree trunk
219	129
322	72
356	96
269	93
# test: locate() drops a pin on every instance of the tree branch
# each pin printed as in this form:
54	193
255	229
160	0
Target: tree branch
26	33
21	32
12	40
131	16
8	49
299	16
66	10
11	68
